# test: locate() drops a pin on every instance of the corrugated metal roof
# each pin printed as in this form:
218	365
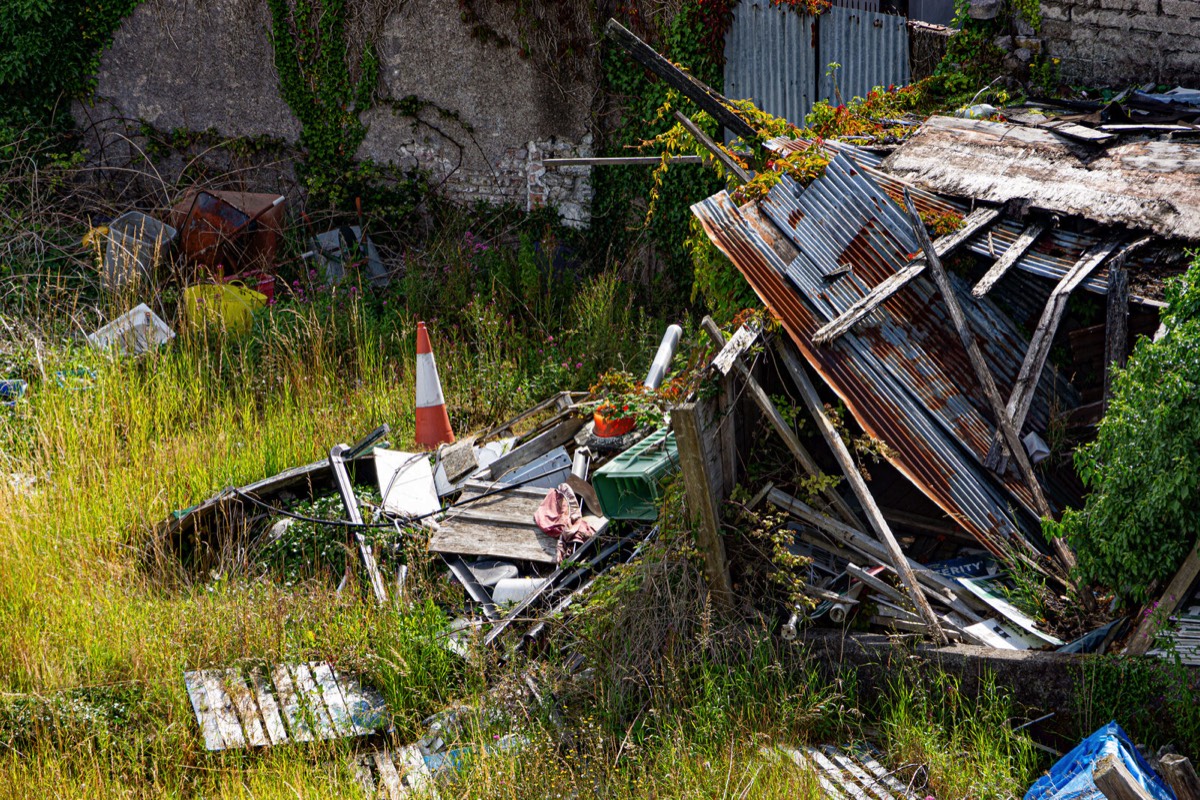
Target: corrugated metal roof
870	48
902	373
769	58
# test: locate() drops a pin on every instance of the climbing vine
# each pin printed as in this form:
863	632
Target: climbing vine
49	55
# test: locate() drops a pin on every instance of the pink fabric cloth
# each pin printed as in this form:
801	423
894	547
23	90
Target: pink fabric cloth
559	516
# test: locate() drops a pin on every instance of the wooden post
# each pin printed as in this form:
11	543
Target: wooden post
700	461
1116	327
781	426
1178	772
1115	782
1169	602
693	89
850	469
708	144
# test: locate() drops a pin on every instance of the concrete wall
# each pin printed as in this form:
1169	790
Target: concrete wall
1121	42
208	64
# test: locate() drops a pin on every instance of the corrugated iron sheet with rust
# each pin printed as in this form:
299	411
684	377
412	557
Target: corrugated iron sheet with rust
892	376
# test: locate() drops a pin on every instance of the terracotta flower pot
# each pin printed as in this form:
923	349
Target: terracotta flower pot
607	428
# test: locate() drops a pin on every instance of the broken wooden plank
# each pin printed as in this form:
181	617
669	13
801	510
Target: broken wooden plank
871	548
222	708
272	720
246	708
338	713
782	427
1116	782
874	582
389	778
854	477
620	161
205	714
972	224
1025	386
740	342
1179	774
1005	262
718	152
1116	340
827	787
1168	603
312	700
703	482
298	726
536	447
338	456
867	756
846	764
687	85
978	364
561	402
835	774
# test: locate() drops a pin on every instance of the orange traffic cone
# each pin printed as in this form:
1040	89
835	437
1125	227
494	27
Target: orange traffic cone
433	423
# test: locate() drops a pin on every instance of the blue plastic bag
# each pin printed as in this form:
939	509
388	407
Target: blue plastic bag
1071	777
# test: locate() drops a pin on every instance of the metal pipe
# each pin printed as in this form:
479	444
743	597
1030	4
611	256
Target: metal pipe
662	359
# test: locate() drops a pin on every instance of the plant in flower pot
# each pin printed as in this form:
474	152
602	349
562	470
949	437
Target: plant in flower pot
623	404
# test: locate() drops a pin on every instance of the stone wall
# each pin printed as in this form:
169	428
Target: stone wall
1123	42
486	115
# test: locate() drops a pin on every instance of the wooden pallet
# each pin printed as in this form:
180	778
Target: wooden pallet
295	702
394	774
850	774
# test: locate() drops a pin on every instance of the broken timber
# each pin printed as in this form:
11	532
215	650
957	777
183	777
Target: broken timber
1014	252
1176	592
1021	399
854	773
691	88
1116	782
717	151
781	426
976	221
234	713
1116	342
701	463
854	477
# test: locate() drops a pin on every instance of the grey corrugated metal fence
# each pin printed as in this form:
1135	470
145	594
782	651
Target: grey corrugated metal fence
779	58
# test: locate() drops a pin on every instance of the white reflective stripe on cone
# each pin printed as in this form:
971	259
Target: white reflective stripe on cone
429	388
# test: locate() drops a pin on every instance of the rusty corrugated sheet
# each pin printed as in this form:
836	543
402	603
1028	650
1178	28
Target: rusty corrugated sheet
903	374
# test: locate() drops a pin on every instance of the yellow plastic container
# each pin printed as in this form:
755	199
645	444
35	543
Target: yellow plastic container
231	305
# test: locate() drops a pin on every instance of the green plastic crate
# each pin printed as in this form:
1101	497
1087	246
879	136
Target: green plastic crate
627	486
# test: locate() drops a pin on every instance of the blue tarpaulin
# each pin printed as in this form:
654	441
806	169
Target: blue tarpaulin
1071	777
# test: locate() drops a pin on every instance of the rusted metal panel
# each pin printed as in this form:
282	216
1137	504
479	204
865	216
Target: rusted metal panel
229	232
870	49
1147	185
904	378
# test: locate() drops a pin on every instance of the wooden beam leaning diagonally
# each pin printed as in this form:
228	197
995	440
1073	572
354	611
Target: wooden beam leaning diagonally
1005	262
781	426
976	221
986	380
1169	602
854	477
690	87
717	151
1025	386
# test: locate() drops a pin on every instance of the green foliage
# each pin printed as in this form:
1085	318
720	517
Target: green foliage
693	38
1143	470
1154	700
49	55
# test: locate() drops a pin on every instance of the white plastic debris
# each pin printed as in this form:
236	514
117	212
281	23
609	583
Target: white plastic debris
134	332
406	483
1036	447
977	111
514	590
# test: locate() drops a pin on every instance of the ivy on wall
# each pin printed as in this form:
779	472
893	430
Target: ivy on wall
50	53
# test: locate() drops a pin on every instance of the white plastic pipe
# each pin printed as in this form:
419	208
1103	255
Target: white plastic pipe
662	359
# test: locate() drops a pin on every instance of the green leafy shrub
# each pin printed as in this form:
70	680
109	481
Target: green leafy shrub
1144	467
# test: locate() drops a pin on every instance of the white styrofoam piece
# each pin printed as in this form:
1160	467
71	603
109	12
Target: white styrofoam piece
412	493
514	590
135	331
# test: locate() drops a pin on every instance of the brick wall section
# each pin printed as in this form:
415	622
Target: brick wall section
1121	42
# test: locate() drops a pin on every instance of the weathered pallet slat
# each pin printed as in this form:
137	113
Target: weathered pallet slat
846	763
272	720
368	710
868	757
222	708
389	778
802	761
334	702
312	700
300	730
246	708
204	713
